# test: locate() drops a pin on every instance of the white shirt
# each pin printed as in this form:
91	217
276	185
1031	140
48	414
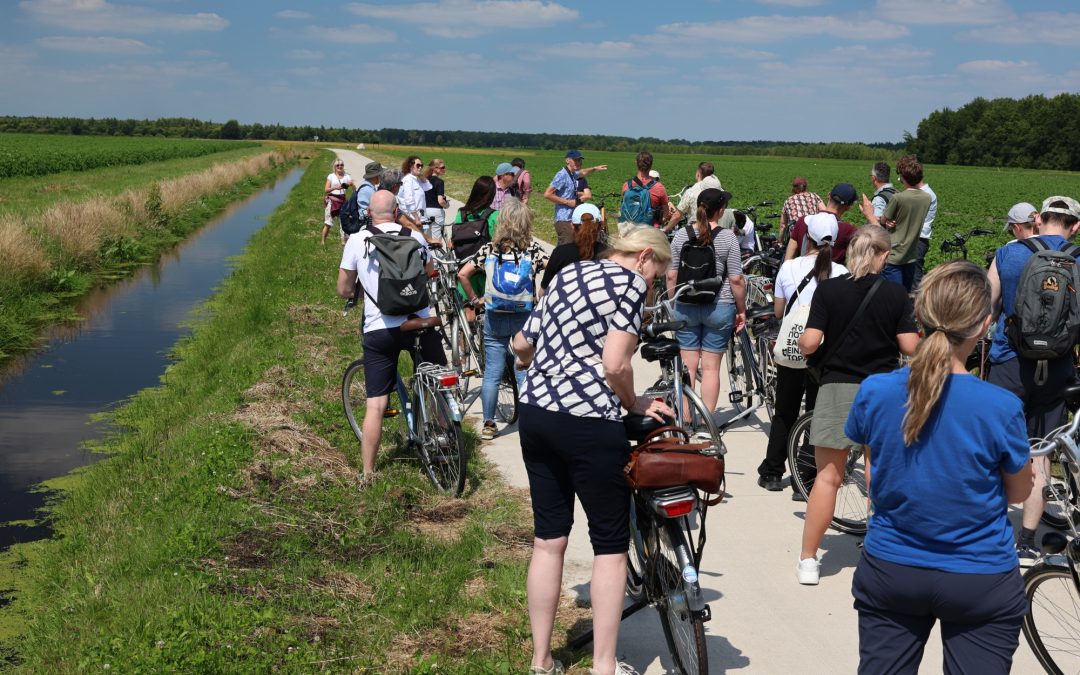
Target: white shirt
927	226
337	185
747	240
791	274
410	197
356	257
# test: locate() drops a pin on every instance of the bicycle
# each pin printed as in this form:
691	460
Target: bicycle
750	366
432	410
664	559
852	499
1052	586
957	245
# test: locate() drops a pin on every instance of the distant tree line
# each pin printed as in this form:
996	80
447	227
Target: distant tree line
192	128
1033	132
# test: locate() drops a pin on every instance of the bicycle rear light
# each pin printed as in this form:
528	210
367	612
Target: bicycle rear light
450	380
675	509
673	502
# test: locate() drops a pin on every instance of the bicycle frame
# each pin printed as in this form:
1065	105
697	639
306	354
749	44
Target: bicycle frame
1064	440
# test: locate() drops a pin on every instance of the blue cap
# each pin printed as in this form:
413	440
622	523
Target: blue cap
505	168
573	154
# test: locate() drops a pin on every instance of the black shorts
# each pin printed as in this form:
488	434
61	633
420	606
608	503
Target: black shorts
1044	405
567	455
382	349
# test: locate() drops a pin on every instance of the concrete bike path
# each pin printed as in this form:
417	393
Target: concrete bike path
763	620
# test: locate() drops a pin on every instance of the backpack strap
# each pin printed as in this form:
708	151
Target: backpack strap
829	353
1034	244
802	285
1071	249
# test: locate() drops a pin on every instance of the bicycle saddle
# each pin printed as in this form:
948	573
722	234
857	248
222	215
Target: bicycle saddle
640	426
416	323
760	313
1071	394
661	348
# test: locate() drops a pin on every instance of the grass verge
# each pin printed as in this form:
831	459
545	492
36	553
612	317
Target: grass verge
226	533
51	258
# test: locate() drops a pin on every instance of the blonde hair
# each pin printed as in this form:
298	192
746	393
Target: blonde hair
432	166
638	239
869	241
513	225
952	302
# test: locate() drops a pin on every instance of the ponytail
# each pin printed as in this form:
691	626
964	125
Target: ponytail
823	262
952	303
703	233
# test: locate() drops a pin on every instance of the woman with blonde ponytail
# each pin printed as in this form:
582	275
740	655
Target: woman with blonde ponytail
947	464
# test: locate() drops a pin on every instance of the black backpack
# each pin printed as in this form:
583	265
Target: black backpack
697	262
886	193
1045	322
403	281
352	217
471	233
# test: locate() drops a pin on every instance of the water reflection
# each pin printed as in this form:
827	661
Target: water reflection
121	347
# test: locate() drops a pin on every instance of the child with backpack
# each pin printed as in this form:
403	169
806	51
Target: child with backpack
510	263
701	251
1033	290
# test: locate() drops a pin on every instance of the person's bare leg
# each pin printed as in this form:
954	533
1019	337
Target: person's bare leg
325	233
607	591
374	409
1035	503
690	359
821	504
543	588
710	379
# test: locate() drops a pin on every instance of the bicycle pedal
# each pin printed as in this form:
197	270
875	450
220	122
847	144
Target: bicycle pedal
391	412
1054	492
472	372
735	397
705	614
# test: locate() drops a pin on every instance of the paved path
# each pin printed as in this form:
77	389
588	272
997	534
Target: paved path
763	620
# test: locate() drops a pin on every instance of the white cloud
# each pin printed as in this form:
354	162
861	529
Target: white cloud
95	45
292	14
995	67
588	50
469	18
945	12
1056	28
101	16
902	57
305	55
778	29
356	34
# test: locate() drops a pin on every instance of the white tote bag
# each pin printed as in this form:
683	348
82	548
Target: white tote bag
786	352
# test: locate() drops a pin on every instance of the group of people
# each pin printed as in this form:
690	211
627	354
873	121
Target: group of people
949	452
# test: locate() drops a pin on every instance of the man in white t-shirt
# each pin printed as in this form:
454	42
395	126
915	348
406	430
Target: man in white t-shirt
922	246
382	337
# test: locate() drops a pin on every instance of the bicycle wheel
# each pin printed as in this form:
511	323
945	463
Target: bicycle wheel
635	559
801	455
853	498
353	396
462	357
696	417
506	407
768	373
442	443
684	633
1052	626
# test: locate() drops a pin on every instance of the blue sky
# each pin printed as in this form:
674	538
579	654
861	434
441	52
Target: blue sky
804	70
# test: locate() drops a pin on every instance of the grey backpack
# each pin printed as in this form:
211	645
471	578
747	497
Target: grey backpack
402	286
1045	322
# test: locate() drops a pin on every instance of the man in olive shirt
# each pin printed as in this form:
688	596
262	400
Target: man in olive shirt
903	217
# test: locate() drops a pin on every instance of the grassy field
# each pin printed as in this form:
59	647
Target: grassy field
62	234
226	533
968	197
40	154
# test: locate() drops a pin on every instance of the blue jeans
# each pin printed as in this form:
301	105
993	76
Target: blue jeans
901	274
708	327
499	327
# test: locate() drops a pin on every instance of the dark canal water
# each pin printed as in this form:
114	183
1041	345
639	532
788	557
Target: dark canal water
47	398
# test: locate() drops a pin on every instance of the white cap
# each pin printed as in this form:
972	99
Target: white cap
1021	214
582	209
653	173
821	226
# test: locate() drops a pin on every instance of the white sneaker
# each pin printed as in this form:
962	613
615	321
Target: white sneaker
621	668
808	571
555	669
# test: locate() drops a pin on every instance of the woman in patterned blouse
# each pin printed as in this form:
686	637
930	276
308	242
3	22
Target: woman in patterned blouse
578	343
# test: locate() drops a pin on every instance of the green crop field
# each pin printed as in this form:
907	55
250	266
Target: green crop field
39	154
968	197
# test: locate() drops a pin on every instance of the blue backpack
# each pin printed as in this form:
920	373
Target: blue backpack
354	215
509	286
637	203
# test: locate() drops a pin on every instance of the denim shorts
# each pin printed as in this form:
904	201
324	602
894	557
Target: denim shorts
708	327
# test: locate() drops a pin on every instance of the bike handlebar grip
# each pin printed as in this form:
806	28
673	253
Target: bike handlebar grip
707	284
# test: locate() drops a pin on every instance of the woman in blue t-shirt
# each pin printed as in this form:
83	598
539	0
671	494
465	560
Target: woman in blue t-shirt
947	464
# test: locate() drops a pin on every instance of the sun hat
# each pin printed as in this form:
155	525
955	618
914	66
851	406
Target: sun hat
372	169
844	194
1071	208
573	154
1021	214
713	198
504	169
582	209
822	226
653	173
